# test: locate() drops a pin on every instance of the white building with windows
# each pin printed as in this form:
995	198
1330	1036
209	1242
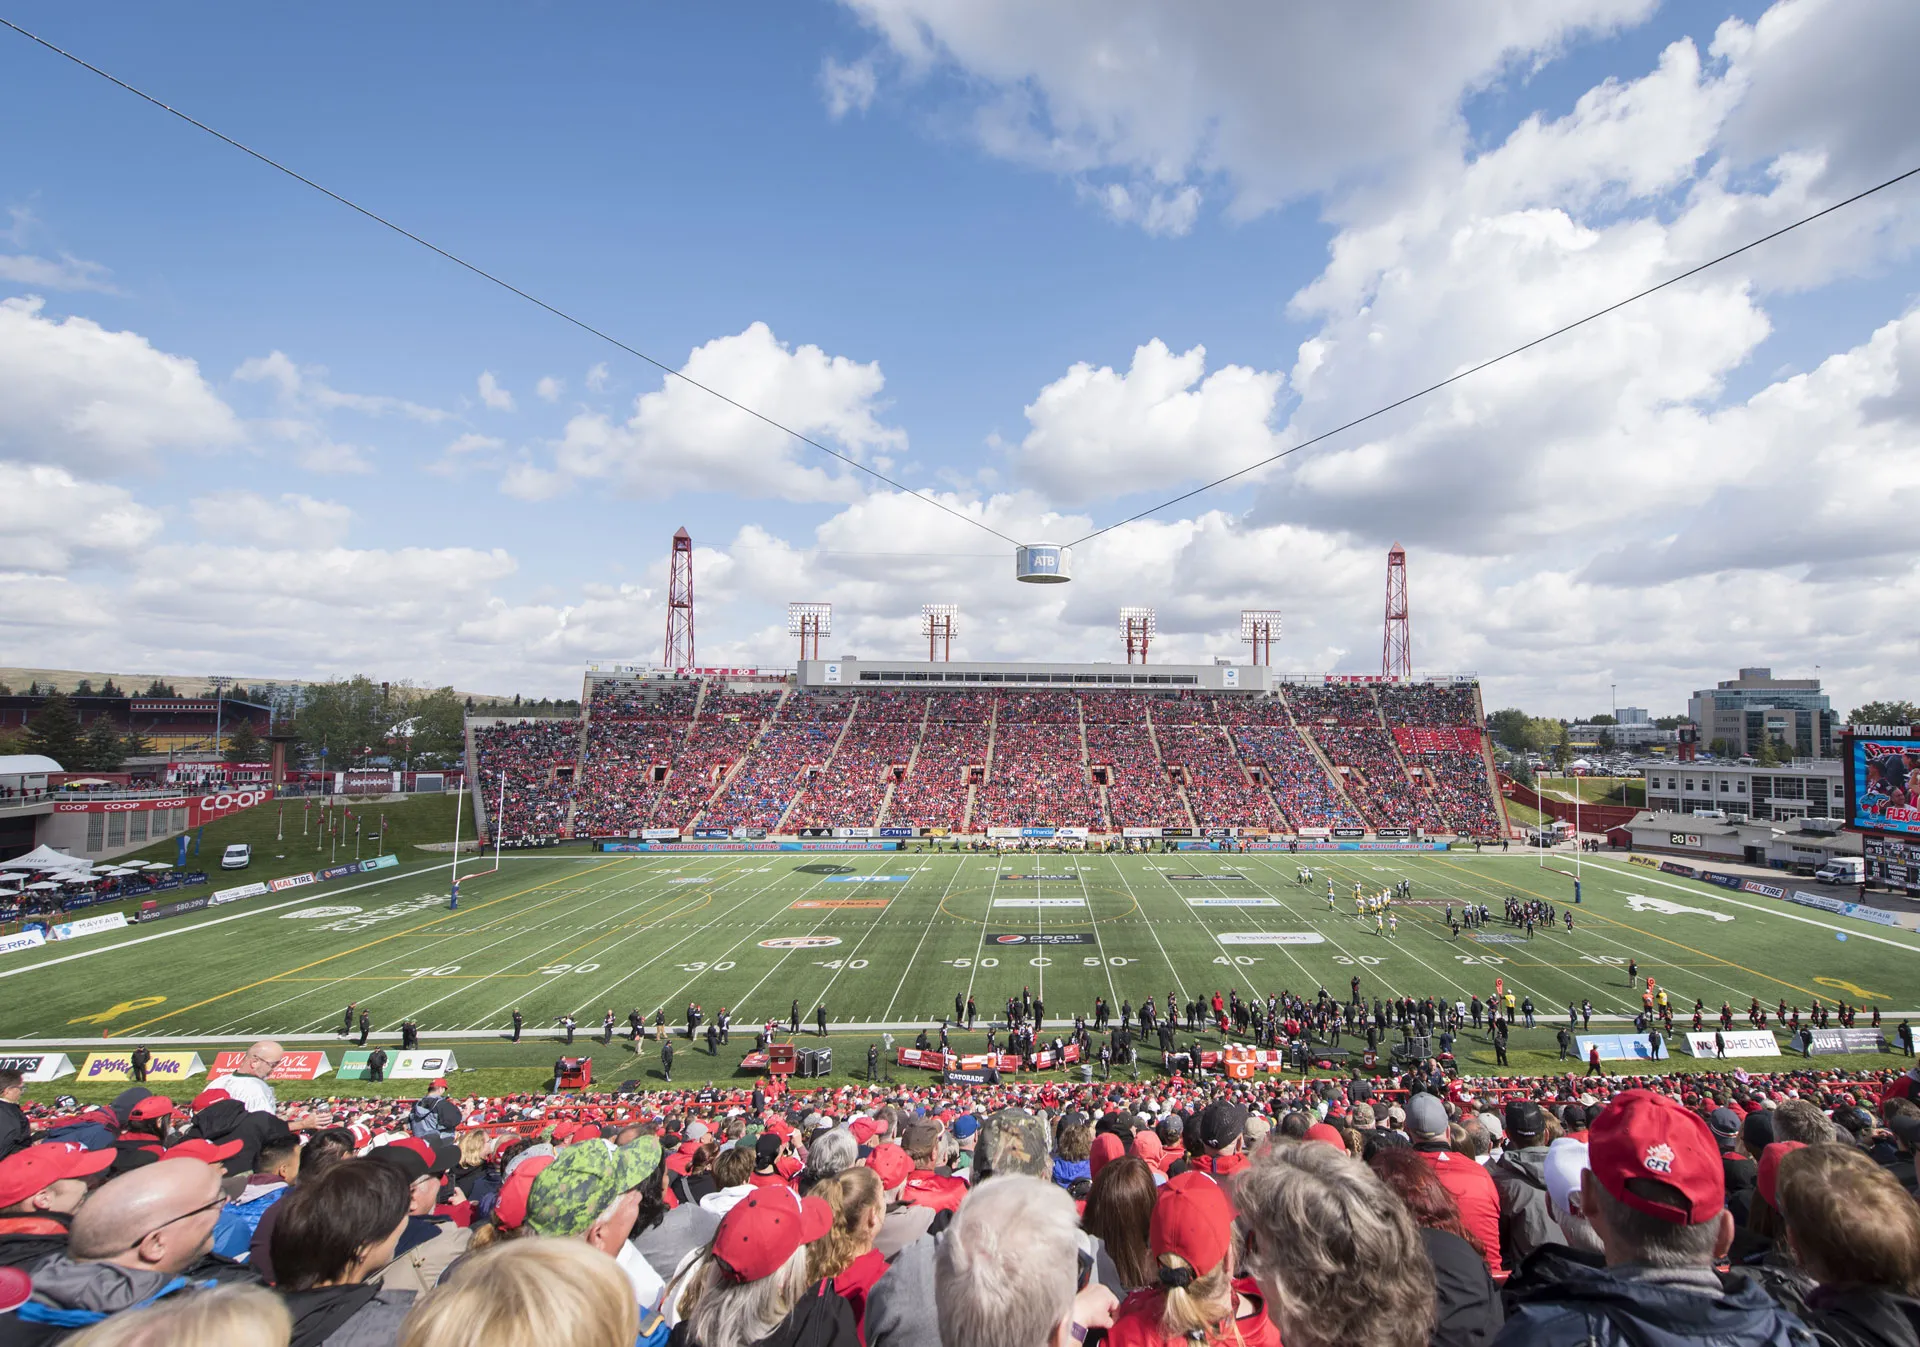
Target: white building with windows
1804	788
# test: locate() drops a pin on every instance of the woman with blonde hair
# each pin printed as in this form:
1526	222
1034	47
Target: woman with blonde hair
528	1292
1196	1298
1334	1250
845	1255
227	1316
751	1283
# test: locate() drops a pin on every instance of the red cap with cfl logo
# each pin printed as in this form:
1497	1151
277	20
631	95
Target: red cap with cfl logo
1647	1136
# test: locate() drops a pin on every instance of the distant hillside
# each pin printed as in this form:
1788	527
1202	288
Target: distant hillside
188	685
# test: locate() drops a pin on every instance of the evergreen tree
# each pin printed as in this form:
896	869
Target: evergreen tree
84	688
135	745
244	744
108	689
102	747
54	732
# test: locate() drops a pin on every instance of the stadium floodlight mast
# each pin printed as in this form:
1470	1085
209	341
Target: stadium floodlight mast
219	683
1137	624
936	624
809	621
1259	627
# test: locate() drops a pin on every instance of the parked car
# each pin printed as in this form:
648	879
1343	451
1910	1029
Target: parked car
238	856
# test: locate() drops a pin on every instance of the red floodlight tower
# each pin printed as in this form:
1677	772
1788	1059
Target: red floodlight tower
936	624
1396	645
809	621
679	652
1138	625
1259	627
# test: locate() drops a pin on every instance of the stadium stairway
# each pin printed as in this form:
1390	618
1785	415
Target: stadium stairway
826	764
1492	769
1416	783
1180	790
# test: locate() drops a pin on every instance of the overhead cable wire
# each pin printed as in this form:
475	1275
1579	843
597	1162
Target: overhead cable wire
1495	360
506	285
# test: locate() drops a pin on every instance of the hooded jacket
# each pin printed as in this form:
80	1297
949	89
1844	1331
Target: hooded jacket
1526	1212
70	1296
1634	1306
25	1240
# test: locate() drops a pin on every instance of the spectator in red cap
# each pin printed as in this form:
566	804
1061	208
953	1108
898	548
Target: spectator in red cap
40	1189
903	1223
751	1284
1466	1302
1656	1196
130	1244
1195	1298
1335	1252
845	1255
1856	1232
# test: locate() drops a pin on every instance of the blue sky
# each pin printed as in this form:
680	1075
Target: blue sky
984	252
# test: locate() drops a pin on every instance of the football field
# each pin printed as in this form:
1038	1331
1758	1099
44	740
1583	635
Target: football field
888	940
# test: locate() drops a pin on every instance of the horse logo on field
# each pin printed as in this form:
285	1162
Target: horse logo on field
1639	902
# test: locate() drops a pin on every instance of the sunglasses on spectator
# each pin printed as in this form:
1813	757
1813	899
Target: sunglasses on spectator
217	1202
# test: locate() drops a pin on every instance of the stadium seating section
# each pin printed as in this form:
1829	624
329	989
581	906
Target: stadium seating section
690	753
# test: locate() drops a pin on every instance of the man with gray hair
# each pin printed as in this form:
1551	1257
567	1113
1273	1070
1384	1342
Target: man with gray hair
1655	1193
901	1307
1008	1272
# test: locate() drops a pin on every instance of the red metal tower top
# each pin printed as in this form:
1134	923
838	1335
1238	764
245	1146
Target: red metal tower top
679	651
1396	657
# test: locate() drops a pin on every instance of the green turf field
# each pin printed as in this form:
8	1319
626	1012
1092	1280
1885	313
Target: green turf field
890	939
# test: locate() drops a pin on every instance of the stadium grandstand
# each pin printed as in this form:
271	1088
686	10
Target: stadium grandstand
1139	750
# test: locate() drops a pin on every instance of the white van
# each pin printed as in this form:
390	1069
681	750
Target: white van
1842	870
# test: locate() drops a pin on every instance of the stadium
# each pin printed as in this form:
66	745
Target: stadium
467	976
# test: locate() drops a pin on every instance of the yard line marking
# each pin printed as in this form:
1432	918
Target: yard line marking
1765	977
132	1029
217	921
953	875
1178	982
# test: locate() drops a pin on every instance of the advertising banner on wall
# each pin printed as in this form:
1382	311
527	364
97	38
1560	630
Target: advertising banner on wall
292	1066
200	808
68	930
1740	1043
38	1068
1620	1047
164	1066
31	938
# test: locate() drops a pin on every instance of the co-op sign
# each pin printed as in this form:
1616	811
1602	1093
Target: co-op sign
202	808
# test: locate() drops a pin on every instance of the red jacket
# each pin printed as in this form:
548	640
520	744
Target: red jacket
924	1188
1137	1322
855	1280
1473	1189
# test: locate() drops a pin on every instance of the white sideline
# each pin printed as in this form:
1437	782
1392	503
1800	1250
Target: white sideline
308	895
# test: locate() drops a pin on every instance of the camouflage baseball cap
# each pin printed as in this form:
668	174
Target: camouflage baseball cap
583	1181
1012	1142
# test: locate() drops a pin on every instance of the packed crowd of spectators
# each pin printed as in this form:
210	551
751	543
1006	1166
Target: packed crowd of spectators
1341	703
1436	704
882	737
728	724
1138	792
1377	781
774	772
648	762
1039	771
1771	1210
537	759
1219	792
1307	796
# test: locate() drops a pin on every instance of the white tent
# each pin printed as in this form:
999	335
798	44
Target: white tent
43	858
